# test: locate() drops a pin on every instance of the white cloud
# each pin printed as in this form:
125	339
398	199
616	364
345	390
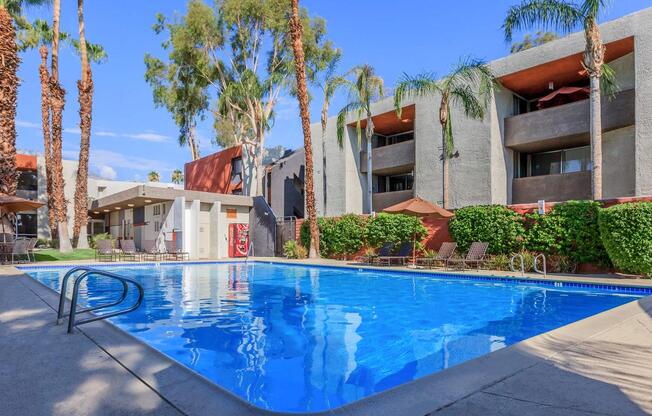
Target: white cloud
107	172
27	124
117	161
104	133
72	130
148	137
286	108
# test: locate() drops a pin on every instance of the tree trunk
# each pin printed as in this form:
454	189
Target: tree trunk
44	76
85	88
57	103
9	62
192	143
445	168
369	134
300	68
596	138
593	61
324	126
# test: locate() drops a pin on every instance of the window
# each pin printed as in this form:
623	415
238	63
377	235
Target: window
381	140
236	169
163	209
519	106
27	180
157	210
26	225
551	163
395	183
157	226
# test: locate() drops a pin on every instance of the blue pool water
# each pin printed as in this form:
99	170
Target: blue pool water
296	338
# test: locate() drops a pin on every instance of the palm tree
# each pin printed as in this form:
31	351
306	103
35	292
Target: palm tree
85	87
296	32
330	83
10	20
153	176
470	86
57	103
565	16
177	176
366	88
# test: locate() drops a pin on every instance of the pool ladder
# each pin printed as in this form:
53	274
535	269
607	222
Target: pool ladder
87	272
541	256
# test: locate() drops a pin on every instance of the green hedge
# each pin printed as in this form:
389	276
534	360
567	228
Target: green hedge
498	225
394	228
569	229
348	234
626	232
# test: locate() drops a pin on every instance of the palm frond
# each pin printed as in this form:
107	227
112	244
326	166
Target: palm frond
421	85
355	106
592	8
449	144
608	82
464	97
559	15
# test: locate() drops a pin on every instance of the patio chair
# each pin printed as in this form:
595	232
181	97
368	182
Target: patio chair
104	251
475	255
384	251
128	250
151	251
30	248
403	255
19	249
175	253
445	253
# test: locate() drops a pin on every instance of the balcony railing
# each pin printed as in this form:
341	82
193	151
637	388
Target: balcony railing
382	200
386	160
566	125
553	188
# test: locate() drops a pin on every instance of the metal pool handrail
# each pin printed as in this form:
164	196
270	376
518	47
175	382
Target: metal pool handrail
88	271
543	263
511	263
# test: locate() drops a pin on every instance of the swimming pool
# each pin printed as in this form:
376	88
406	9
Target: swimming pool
298	338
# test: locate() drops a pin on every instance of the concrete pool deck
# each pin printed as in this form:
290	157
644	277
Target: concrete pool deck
601	365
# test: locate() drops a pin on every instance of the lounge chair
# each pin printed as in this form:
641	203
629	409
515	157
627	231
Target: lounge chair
20	249
128	250
445	253
175	253
384	251
475	255
104	251
151	251
403	255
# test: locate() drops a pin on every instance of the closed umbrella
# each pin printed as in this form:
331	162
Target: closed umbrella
11	204
421	208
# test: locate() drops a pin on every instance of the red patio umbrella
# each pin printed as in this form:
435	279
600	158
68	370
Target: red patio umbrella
421	208
564	95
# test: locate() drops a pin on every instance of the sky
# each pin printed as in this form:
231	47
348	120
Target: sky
131	137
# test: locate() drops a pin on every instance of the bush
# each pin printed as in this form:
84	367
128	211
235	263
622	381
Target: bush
499	262
394	228
294	250
348	235
327	235
498	225
626	232
98	237
569	229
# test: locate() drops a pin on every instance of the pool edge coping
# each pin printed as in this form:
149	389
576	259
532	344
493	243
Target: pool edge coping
418	397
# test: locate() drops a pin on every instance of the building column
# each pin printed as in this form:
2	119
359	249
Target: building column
215	228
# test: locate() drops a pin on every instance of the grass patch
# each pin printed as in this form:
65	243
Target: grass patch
53	254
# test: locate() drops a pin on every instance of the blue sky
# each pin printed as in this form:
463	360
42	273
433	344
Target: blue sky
131	137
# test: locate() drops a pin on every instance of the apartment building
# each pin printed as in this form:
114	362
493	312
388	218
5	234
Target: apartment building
283	185
32	185
532	145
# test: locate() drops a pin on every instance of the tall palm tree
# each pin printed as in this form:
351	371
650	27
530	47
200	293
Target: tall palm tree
296	32
566	16
153	176
85	87
366	88
57	103
329	84
469	86
177	176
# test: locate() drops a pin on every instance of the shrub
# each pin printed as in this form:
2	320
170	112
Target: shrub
498	225
626	231
394	228
294	250
498	262
98	237
348	235
327	235
569	229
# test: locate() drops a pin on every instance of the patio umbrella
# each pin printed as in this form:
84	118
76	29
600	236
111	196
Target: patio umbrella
421	208
11	204
564	95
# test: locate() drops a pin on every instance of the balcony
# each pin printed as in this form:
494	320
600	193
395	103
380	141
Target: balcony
27	194
382	200
392	159
566	125
554	188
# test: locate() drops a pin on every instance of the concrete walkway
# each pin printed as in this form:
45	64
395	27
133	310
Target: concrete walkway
598	366
44	371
